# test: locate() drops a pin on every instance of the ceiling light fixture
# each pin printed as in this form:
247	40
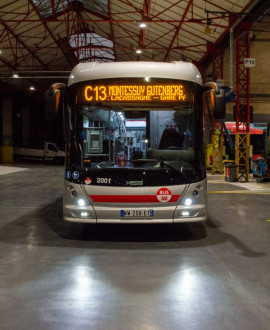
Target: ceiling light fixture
142	25
15	75
138	51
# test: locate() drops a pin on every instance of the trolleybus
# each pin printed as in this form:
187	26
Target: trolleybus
134	142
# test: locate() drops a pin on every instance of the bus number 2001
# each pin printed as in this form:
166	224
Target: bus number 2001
104	180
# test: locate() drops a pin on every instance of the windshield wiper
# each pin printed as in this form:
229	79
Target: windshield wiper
163	164
160	161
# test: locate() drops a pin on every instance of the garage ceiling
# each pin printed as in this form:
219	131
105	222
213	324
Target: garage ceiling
41	40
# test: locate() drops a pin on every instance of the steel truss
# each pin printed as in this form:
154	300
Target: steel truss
242	137
180	24
217	128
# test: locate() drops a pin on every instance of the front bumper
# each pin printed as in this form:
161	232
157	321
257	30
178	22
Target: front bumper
176	212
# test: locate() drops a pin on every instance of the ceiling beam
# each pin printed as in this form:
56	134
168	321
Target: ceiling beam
111	29
24	45
13	68
8	64
52	5
168	8
224	37
71	63
108	20
178	28
145	16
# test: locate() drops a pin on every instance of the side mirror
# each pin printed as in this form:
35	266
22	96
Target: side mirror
215	100
53	98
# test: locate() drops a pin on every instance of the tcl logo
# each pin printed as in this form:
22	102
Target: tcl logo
164	195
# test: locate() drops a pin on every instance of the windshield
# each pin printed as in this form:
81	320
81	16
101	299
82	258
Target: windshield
122	136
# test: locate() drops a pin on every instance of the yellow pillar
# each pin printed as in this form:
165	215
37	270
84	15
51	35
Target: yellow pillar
7	154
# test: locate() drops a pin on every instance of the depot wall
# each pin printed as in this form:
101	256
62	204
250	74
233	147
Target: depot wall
259	77
23	123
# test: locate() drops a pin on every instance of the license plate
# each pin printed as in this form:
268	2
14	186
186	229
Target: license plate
137	213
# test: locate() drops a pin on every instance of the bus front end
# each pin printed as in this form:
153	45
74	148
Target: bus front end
134	147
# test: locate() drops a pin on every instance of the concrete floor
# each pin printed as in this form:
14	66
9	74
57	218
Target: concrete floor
57	275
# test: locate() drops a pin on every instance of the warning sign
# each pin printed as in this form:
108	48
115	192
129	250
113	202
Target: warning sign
164	195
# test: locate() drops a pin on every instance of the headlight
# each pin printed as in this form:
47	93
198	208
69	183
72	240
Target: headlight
81	202
188	202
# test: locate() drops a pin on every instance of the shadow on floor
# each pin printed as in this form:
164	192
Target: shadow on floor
45	227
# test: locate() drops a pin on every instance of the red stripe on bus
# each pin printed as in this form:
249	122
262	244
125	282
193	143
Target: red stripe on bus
129	198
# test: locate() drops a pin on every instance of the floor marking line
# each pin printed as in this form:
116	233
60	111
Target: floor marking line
246	192
216	181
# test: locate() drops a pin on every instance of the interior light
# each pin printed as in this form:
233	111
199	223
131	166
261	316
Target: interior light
142	25
15	75
72	76
138	51
188	202
32	88
81	202
147	78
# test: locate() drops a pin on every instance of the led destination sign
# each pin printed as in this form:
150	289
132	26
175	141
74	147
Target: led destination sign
133	93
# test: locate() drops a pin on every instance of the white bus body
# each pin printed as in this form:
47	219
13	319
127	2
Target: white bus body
134	143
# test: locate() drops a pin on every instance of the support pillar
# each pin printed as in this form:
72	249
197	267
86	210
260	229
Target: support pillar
217	128
6	154
242	137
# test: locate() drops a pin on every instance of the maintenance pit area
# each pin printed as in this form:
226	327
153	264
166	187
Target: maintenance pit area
61	275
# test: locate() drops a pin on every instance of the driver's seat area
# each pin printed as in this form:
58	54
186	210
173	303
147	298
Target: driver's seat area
170	139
